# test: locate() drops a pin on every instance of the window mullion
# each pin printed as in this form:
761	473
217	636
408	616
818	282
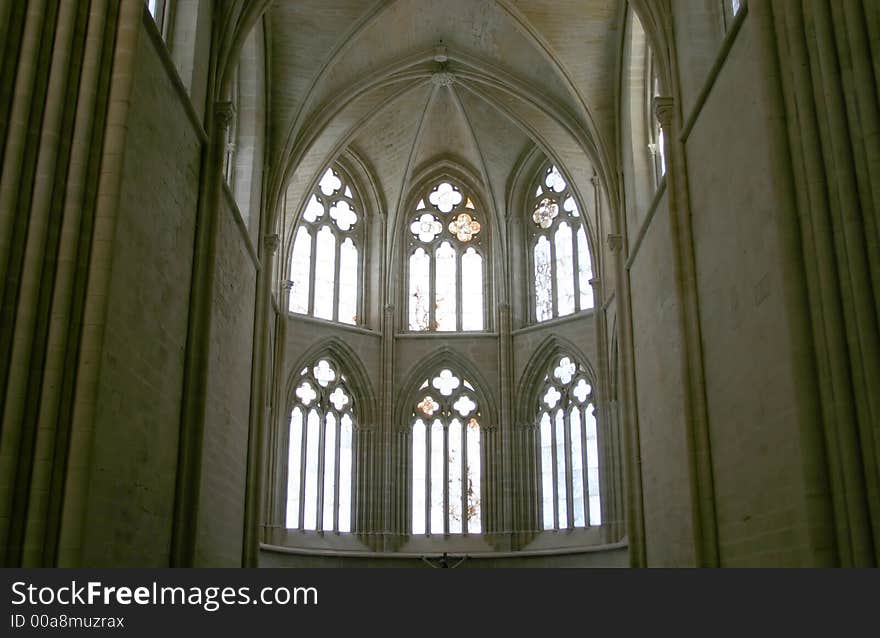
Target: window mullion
319	515
446	478
586	468
576	266
459	309
465	485
554	302
337	454
555	471
428	476
302	469
337	267
432	287
312	275
569	501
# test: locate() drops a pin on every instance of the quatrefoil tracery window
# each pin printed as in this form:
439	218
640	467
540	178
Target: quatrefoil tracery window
445	477
569	448
446	262
559	251
327	253
322	422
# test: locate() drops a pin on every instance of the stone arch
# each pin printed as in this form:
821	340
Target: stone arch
444	357
358	378
533	375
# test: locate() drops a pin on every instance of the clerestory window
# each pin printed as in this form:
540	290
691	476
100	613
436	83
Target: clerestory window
446	269
559	250
326	262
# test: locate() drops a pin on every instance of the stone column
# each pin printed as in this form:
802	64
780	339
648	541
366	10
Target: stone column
826	55
65	85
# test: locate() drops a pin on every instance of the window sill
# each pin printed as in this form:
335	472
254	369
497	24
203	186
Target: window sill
446	335
552	323
472	550
295	316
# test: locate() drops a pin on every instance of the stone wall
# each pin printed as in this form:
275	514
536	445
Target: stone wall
224	456
134	455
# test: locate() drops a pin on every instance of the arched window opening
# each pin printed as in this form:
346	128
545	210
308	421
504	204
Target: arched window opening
446	436
559	253
327	253
319	468
569	448
446	263
232	132
656	141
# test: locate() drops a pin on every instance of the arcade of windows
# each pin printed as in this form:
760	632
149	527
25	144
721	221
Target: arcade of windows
445	265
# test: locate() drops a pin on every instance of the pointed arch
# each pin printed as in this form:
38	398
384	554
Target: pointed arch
531	380
446	282
358	379
445	357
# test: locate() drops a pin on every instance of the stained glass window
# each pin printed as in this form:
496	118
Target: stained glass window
560	253
569	448
319	464
327	252
445	479
446	263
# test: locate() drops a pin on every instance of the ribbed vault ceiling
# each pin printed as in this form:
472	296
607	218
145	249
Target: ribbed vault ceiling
370	77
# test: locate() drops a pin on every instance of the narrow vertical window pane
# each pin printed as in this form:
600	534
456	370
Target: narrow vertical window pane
348	282
345	436
418	484
294	465
547	471
593	468
455	462
300	271
474	501
419	290
577	468
329	470
445	288
562	494
585	270
437	465
543	280
661	150
310	507
471	290
564	270
325	273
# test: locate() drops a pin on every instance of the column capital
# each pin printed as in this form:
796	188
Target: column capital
225	113
664	110
614	241
271	242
